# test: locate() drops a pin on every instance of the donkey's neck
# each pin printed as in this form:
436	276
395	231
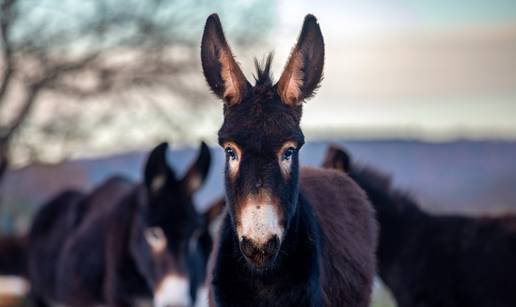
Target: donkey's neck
394	208
399	216
400	222
294	278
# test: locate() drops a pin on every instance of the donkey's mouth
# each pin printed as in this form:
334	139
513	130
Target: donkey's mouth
260	256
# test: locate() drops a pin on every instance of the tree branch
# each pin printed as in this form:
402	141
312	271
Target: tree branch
113	47
32	94
4	160
6	18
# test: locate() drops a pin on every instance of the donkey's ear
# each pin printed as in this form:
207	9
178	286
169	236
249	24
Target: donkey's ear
337	158
303	71
157	170
220	68
215	210
197	173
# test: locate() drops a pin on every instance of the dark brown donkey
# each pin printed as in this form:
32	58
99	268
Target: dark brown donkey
138	242
436	260
280	246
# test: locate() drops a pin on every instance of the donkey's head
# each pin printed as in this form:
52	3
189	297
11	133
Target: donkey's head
170	239
261	135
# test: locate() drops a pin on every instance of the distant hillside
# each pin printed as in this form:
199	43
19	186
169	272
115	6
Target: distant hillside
464	176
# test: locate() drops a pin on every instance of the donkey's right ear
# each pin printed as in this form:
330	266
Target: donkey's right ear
214	210
157	171
337	158
220	68
303	72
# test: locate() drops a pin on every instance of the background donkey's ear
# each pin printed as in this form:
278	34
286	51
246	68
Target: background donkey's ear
337	158
157	170
197	173
220	68
215	210
303	71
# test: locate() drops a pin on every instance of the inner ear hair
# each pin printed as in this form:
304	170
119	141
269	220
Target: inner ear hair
291	81
234	80
221	71
303	71
157	183
198	171
157	170
337	158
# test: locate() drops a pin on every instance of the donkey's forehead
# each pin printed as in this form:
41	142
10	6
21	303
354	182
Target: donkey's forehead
261	122
174	217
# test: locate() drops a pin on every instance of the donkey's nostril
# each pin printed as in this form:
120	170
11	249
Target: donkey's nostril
260	254
272	245
247	247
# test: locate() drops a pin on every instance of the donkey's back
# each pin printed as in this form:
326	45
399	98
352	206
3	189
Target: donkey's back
82	260
349	233
476	253
51	226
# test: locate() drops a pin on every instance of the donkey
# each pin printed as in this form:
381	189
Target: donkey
279	244
78	256
148	244
436	260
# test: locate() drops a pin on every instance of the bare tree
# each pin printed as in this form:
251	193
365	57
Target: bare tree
99	48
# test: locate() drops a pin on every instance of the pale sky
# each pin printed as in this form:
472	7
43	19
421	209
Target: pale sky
429	69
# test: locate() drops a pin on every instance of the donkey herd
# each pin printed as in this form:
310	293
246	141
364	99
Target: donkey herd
282	234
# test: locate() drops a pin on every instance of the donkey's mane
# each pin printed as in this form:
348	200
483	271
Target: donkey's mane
376	178
381	182
263	76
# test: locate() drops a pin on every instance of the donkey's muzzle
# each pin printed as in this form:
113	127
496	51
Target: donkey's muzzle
260	255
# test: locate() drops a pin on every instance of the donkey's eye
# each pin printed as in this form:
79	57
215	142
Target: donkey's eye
155	238
230	153
287	154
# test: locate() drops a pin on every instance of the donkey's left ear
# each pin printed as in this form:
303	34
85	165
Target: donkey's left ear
337	158
220	68
157	170
198	171
304	69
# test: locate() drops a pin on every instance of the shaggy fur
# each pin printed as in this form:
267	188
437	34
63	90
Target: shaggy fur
349	233
438	260
349	256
